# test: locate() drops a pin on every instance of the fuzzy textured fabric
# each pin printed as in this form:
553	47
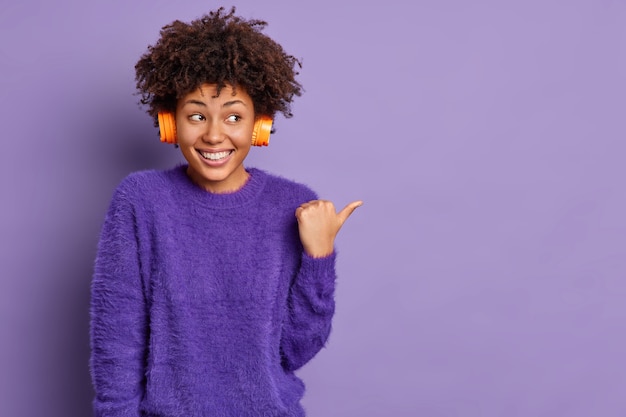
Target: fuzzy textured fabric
204	305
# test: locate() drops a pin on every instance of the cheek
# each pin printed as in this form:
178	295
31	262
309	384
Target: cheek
244	144
185	135
244	136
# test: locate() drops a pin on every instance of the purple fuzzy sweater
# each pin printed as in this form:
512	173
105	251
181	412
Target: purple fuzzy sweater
204	305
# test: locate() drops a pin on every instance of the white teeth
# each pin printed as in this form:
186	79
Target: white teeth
215	156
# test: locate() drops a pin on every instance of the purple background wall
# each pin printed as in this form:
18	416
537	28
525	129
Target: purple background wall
483	277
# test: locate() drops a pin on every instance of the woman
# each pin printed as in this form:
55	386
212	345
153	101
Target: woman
213	282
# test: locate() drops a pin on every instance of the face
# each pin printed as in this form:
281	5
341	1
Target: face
215	136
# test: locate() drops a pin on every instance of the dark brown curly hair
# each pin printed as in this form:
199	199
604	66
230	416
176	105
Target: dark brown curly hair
218	48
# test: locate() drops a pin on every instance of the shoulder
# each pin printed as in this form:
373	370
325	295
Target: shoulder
284	188
145	180
145	185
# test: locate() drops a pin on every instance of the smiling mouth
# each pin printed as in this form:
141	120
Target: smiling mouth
215	156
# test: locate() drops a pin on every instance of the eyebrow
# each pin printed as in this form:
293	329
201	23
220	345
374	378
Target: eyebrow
203	104
197	102
232	102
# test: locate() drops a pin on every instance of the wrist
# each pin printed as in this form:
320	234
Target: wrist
319	252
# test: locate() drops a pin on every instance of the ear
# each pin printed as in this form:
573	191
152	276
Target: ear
167	127
262	130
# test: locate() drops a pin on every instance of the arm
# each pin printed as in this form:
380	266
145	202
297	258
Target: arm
311	306
118	316
311	299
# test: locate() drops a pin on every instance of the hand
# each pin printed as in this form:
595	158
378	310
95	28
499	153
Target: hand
319	223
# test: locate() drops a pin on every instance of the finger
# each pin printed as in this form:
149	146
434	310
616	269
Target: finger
310	203
305	207
348	210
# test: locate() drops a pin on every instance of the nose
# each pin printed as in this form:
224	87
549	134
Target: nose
214	133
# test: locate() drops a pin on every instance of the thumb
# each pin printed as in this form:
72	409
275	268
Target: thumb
347	210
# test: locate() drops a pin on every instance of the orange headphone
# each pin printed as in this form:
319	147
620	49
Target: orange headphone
260	133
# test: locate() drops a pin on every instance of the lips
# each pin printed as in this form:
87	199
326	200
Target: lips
215	156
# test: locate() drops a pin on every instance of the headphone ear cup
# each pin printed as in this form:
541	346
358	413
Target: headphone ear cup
167	127
262	131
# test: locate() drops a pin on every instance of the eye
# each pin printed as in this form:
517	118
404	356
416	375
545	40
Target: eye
233	118
196	117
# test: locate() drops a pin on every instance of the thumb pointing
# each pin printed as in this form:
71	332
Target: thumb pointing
348	210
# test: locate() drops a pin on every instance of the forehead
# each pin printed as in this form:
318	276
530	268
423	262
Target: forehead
206	96
210	92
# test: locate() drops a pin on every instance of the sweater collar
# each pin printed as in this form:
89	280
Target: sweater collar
189	190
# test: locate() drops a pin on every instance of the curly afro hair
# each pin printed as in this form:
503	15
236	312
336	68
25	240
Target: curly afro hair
218	48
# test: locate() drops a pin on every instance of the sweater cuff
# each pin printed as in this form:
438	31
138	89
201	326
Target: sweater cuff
318	269
324	262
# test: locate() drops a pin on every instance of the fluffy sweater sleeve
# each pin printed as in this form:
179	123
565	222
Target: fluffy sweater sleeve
118	315
311	306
